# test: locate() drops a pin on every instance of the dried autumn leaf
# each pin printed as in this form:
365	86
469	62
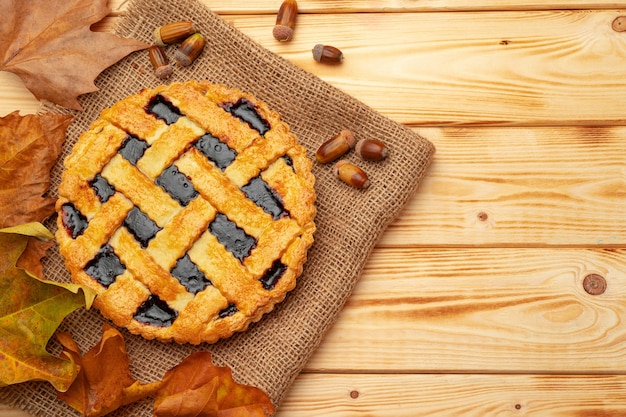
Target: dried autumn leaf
30	261
29	147
30	312
49	45
104	382
186	386
192	402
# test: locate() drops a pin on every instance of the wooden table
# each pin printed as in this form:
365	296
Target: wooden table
474	301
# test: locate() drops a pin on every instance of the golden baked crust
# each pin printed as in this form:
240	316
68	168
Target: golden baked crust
189	209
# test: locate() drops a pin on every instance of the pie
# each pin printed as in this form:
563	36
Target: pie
189	209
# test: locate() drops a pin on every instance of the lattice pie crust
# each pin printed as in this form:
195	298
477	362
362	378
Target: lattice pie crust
189	209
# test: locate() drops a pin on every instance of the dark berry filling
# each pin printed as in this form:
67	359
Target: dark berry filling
189	275
102	188
133	148
246	111
273	274
163	109
156	312
236	241
218	152
73	220
265	197
105	267
141	226
228	311
177	185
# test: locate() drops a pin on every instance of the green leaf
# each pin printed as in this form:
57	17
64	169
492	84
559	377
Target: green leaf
30	312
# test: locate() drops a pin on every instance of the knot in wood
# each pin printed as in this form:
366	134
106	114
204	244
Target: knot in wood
594	284
619	24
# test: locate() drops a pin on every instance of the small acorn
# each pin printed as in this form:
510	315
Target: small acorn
351	174
285	20
327	54
335	147
160	63
371	150
190	49
173	32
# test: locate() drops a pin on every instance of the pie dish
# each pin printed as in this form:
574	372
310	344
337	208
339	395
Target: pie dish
189	209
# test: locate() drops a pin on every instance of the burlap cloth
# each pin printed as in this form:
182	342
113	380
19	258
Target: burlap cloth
349	222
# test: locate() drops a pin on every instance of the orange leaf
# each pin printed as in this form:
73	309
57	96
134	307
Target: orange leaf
49	45
193	388
78	394
104	382
30	260
29	148
196	376
192	402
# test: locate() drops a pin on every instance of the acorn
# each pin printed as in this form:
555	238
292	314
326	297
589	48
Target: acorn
327	54
351	174
335	147
285	20
371	150
160	63
190	49
173	32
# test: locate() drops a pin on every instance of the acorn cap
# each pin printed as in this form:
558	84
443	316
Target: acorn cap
282	33
164	72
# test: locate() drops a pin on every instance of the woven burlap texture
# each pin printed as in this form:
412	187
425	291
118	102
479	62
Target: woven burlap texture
349	222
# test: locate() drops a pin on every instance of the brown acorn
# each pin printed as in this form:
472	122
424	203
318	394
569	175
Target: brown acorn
190	49
351	174
327	54
286	20
371	150
173	32
335	147
159	61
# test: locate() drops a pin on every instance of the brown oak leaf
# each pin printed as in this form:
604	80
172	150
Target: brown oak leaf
197	388
193	388
29	147
104	382
50	46
30	261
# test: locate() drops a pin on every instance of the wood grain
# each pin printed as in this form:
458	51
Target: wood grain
15	96
445	395
359	6
468	68
522	68
455	395
543	186
472	303
481	310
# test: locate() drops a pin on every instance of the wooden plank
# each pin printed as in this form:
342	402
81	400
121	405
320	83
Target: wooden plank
481	310
518	187
15	96
468	68
528	68
410	395
360	6
553	186
313	395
